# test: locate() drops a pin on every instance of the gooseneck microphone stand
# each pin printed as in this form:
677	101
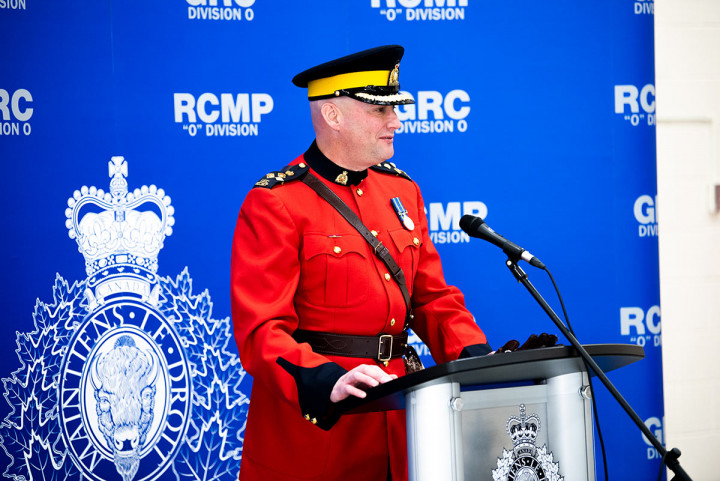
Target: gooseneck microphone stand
670	458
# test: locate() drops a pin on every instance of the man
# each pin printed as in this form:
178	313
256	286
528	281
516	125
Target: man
318	316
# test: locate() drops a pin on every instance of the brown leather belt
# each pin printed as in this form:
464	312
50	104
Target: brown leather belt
383	347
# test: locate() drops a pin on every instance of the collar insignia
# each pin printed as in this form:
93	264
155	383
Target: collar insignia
342	178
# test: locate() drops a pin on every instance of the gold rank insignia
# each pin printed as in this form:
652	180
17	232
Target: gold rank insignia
390	168
287	174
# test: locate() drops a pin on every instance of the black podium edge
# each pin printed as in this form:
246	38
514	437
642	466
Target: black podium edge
391	395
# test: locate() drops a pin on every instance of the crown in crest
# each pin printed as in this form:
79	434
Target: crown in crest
119	233
523	431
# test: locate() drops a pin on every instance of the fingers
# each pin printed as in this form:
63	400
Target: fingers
533	342
547	340
368	371
543	340
345	391
509	346
355	381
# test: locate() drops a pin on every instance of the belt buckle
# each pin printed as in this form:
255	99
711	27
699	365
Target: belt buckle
382	341
379	246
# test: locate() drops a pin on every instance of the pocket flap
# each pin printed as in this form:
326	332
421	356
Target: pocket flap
403	238
336	246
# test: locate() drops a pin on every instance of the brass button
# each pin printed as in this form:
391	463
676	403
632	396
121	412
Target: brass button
392	321
387	276
337	250
416	241
359	192
314	421
374	232
301	165
307	417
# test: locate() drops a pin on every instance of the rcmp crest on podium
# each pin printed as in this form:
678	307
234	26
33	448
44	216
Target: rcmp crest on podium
126	376
526	462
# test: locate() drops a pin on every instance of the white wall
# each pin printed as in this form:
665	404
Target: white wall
687	59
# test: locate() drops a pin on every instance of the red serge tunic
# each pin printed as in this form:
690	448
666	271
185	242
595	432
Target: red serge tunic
297	264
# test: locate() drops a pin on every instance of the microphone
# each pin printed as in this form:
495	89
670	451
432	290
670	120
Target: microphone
476	227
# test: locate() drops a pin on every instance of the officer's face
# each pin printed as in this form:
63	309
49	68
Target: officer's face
370	130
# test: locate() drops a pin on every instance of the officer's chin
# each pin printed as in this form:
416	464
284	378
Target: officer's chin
389	151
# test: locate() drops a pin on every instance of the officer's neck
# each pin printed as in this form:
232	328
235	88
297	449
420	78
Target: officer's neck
330	169
344	155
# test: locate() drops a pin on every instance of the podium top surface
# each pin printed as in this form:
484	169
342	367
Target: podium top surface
511	367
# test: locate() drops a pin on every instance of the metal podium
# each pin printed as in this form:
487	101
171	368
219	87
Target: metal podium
524	415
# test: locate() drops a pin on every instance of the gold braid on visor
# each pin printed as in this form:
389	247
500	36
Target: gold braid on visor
329	85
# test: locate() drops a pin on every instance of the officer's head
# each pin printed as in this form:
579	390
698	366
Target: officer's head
352	101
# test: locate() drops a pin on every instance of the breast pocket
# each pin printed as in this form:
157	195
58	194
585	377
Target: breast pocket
335	270
408	252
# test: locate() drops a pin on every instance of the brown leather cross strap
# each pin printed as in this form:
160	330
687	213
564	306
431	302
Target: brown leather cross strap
383	347
380	250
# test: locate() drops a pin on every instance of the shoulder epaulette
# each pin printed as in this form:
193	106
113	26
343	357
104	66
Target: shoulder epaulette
287	174
390	168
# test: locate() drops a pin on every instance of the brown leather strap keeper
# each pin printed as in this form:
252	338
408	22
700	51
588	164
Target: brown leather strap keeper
383	347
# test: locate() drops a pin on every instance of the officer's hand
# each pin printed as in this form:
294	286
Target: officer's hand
533	342
357	379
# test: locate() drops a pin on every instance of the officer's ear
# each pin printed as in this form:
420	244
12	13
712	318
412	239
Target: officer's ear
332	115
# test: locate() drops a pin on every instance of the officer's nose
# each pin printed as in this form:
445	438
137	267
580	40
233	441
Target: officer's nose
394	121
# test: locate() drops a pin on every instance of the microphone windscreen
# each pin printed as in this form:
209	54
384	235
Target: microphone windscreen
470	224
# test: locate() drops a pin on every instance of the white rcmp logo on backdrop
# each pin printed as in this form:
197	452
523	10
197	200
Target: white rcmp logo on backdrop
421	10
126	374
13	4
636	104
229	115
526	462
237	10
16	110
435	112
644	7
444	220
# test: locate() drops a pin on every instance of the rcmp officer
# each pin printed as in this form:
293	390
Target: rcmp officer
331	264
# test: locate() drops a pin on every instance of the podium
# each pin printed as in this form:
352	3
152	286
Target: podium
523	415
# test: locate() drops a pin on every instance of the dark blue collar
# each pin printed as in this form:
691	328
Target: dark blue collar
330	170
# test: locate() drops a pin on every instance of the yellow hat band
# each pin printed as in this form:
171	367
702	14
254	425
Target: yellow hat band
328	85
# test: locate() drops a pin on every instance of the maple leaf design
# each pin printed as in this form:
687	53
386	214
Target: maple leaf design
31	435
221	386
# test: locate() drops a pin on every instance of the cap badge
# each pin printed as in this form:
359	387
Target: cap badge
394	76
402	213
342	178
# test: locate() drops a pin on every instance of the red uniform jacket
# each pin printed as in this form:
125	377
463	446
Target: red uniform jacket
297	264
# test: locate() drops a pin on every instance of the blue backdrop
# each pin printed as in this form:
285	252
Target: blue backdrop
537	116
